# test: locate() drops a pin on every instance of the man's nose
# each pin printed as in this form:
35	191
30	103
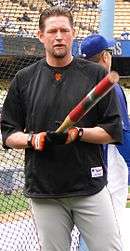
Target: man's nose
59	35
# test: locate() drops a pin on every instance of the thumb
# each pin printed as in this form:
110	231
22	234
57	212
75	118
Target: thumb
73	134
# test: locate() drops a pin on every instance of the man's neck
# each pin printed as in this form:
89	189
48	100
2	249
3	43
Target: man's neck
59	62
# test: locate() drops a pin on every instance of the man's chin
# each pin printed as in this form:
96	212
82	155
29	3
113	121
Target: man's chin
59	54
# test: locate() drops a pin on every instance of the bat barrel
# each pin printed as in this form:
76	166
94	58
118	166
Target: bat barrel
106	84
86	104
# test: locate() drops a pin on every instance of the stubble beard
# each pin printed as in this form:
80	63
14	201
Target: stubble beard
59	54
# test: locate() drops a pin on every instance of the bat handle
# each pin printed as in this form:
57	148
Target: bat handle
67	123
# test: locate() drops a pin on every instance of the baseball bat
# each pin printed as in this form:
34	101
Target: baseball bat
90	100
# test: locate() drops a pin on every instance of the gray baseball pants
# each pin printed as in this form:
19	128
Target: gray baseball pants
94	216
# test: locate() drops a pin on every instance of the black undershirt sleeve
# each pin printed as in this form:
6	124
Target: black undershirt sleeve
13	117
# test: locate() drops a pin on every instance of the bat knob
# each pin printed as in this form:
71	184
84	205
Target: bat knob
113	77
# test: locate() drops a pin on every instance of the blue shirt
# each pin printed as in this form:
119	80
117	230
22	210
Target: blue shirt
124	148
123	107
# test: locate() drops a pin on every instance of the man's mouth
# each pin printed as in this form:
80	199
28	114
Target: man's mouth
59	45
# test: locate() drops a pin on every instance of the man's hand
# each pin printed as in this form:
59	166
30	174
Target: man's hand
43	139
38	141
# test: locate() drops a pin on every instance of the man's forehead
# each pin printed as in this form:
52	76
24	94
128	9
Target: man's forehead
55	21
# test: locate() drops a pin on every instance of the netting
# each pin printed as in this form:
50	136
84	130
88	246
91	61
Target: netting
20	47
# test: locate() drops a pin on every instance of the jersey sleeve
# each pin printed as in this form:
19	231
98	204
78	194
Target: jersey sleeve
109	112
109	116
13	116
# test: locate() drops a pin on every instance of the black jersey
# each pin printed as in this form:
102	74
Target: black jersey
41	96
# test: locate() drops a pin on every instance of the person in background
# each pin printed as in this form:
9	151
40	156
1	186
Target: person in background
24	18
21	32
2	51
94	4
65	175
30	50
6	24
125	35
117	156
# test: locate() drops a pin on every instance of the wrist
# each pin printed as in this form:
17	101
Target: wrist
29	140
80	133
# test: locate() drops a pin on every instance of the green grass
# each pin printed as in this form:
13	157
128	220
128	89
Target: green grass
17	202
128	202
13	203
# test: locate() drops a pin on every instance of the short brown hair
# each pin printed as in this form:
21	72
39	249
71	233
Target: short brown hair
54	11
96	58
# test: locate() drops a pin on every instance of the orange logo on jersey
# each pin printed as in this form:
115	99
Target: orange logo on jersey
58	76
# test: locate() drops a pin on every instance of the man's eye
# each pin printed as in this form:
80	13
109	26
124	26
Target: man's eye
52	31
64	30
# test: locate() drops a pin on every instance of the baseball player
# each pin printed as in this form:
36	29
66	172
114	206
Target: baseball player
98	49
65	175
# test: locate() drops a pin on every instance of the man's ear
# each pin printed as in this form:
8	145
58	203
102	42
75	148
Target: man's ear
104	57
40	36
74	33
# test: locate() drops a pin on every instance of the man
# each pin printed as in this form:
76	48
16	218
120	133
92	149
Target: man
65	176
125	34
98	49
